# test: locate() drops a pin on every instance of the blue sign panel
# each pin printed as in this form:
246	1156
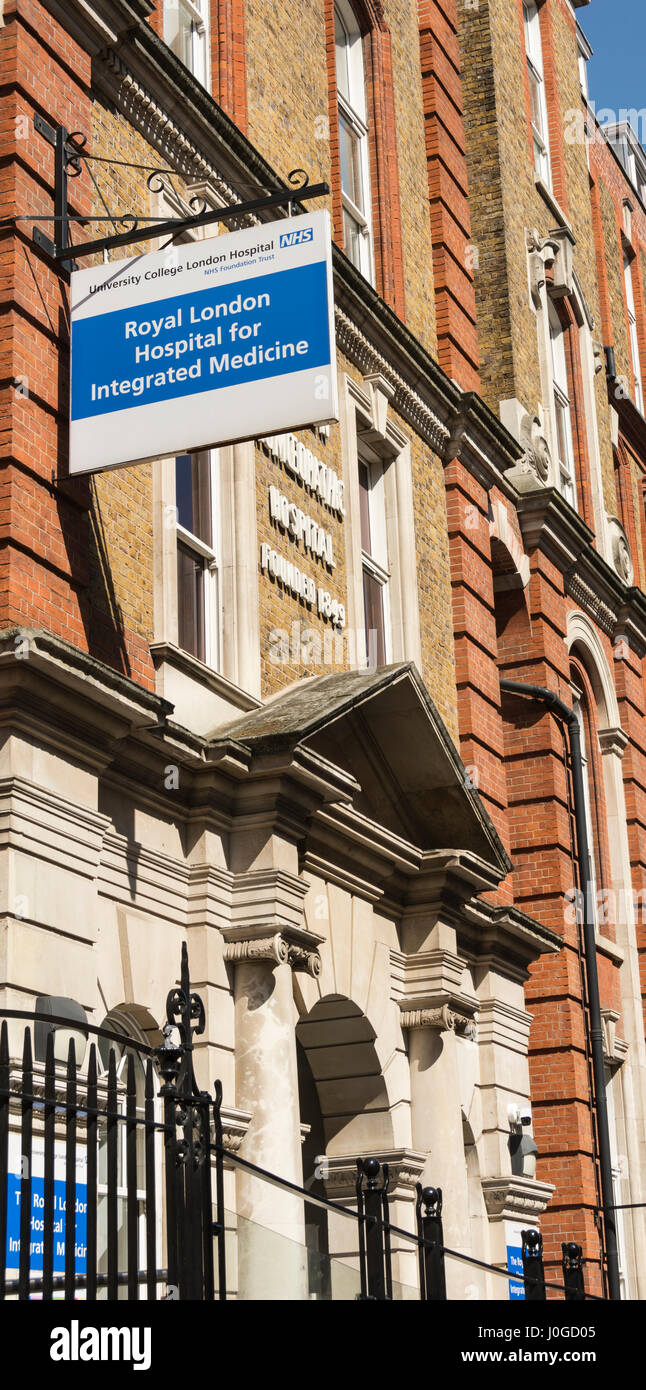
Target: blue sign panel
515	1266
187	344
37	1225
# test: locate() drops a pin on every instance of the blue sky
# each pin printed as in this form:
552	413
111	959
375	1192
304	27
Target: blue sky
617	72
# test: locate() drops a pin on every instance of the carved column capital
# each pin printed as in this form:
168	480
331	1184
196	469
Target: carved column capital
270	948
298	949
444	1019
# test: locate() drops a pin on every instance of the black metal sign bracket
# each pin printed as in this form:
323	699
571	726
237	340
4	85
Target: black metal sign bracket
70	156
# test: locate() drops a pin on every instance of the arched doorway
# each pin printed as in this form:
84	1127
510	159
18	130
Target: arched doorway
345	1114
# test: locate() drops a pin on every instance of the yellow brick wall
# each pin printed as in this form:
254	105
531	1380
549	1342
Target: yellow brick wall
498	149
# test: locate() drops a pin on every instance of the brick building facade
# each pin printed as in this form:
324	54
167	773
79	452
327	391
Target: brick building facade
368	847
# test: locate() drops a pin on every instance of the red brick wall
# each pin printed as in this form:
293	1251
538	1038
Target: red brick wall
52	572
384	158
554	114
481	733
542	841
229	58
453	255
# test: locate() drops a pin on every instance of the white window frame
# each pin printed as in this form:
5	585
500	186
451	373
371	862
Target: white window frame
210	558
632	332
375	561
534	56
612	1079
198	13
577	709
584	54
561	405
352	109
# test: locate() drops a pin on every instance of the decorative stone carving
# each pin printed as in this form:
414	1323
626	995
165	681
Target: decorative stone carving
301	959
621	556
562	280
509	1197
537	454
278	949
599	356
533	471
273	948
235	1124
445	1019
405	1168
614	1048
407	402
542	252
587	599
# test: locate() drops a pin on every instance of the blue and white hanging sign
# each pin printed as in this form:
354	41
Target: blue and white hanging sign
202	344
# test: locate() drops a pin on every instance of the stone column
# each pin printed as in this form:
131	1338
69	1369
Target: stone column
271	1250
436	1118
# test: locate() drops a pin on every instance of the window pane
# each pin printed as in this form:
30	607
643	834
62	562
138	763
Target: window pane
184	491
193	495
533	35
559	365
342	41
561	430
190	602
178	30
364	503
373	602
352	237
350	154
535	99
632	323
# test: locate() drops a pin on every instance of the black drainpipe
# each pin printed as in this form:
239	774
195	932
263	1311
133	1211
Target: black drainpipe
560	709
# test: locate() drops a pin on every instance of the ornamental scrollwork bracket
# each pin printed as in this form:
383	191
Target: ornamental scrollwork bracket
185	1015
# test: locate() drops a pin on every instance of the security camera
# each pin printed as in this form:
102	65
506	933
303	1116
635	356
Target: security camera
520	1114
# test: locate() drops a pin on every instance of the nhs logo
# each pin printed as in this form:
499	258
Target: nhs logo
296	238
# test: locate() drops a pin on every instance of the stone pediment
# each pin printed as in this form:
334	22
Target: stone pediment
383	730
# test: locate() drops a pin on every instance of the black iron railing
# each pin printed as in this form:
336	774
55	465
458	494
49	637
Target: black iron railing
112	1178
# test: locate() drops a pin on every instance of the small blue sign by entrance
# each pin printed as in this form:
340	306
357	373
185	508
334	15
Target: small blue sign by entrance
515	1266
37	1225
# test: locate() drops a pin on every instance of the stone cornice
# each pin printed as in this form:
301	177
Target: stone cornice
366	356
515	1198
618	610
235	1124
265	901
547	521
405	1168
503	1025
505	937
483	444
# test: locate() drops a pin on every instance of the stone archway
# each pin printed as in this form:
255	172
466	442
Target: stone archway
345	1114
339	1043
